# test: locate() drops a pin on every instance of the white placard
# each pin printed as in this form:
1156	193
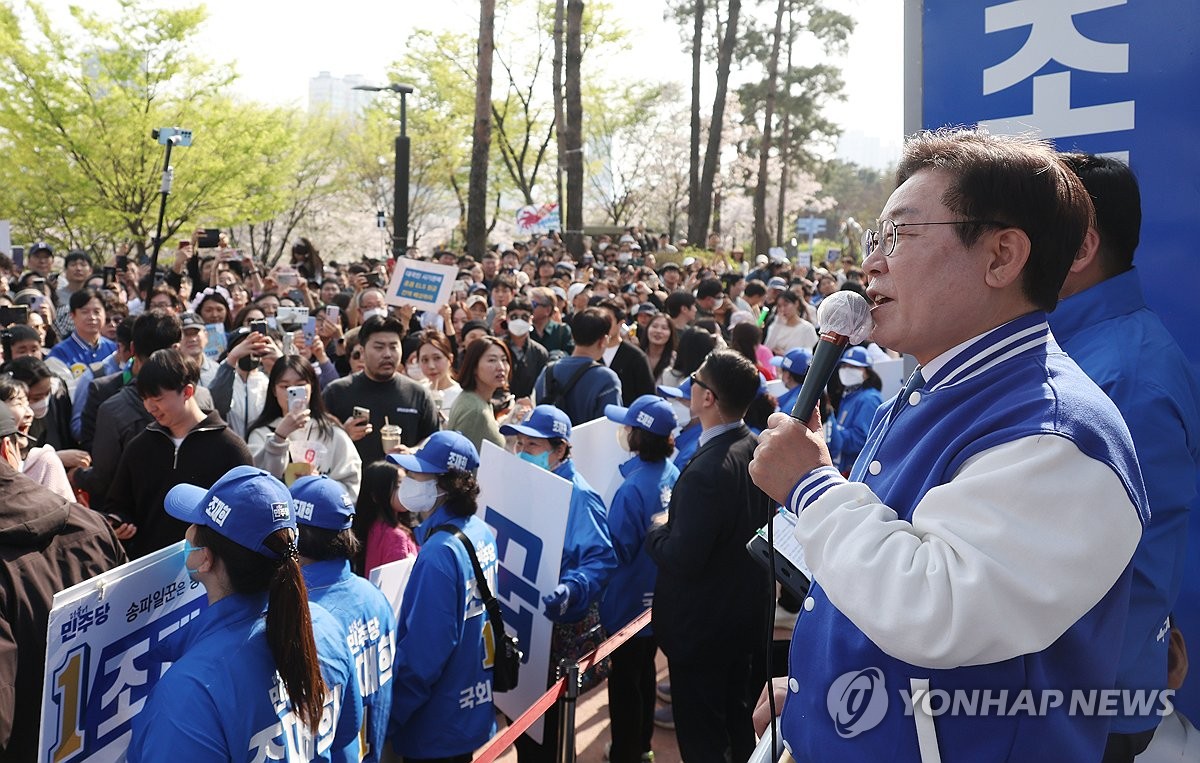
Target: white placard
392	579
99	633
891	373
6	237
598	457
526	507
425	285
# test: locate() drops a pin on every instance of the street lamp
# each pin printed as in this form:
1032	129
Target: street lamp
400	212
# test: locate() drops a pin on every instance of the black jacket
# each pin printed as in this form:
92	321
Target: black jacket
710	593
151	465
47	544
633	369
527	368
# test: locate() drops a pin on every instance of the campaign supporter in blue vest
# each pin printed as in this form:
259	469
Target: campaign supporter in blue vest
1104	325
442	700
860	400
325	513
84	345
981	551
543	439
688	438
260	674
649	476
793	366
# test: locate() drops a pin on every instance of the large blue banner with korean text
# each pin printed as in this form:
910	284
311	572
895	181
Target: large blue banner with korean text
100	634
1104	76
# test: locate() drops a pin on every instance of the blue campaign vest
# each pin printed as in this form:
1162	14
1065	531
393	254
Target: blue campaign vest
223	700
369	628
587	557
645	492
1011	383
442	675
854	419
687	442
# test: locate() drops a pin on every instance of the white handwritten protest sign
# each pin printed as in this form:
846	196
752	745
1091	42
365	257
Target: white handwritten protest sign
527	508
100	632
424	285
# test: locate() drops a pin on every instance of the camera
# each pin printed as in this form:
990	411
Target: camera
176	136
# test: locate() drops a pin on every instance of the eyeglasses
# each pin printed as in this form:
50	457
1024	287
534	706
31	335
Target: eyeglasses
885	237
696	380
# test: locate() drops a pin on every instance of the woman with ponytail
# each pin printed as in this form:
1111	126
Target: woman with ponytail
260	673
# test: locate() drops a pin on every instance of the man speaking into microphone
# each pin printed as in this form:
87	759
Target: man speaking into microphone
976	566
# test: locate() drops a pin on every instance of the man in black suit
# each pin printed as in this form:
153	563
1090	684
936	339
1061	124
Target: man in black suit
711	599
626	359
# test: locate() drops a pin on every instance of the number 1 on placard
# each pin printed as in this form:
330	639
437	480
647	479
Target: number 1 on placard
68	695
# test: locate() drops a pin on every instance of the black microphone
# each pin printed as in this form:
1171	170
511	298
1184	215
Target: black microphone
845	318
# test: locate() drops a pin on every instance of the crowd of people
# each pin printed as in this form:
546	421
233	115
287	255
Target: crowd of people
298	429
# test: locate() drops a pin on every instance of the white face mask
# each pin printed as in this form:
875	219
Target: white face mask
418	497
366	314
519	327
683	412
851	376
40	408
623	438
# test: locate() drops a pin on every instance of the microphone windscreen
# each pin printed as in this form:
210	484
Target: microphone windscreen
846	313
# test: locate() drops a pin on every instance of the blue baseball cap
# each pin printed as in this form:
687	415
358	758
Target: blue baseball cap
246	506
682	392
795	362
544	421
442	452
857	357
321	502
648	412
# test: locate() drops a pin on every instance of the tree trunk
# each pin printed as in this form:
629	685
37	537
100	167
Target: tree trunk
702	204
694	147
482	138
573	140
762	237
785	140
559	117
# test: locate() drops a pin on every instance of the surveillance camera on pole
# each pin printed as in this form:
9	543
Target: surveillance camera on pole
169	137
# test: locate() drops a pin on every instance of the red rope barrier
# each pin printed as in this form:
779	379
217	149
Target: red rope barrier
500	743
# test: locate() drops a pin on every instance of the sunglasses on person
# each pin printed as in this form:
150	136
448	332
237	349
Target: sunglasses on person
697	381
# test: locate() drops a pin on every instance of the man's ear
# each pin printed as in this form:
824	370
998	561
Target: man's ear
1008	250
1088	252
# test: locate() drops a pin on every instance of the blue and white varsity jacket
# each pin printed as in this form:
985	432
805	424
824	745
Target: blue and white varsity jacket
369	628
645	492
442	676
223	699
977	564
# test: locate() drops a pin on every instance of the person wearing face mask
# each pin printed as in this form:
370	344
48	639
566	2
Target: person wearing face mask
649	478
688	438
442	635
857	408
528	356
39	464
543	439
383	525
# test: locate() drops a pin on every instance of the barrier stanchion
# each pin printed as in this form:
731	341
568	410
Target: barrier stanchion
566	715
500	743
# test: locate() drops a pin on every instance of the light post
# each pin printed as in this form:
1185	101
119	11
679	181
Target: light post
400	211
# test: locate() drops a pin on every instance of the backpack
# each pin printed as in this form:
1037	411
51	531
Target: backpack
556	394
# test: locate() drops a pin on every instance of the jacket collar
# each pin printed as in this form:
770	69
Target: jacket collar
1119	295
325	573
210	423
1028	333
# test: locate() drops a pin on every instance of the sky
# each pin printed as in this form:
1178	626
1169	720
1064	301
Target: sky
276	47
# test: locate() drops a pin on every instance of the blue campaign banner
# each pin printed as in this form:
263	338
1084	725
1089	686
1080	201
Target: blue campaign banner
1102	76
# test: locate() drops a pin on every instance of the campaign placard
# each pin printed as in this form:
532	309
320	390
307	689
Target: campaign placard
425	285
529	540
100	633
598	457
392	579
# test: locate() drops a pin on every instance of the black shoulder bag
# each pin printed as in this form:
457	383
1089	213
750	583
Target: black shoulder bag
507	662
